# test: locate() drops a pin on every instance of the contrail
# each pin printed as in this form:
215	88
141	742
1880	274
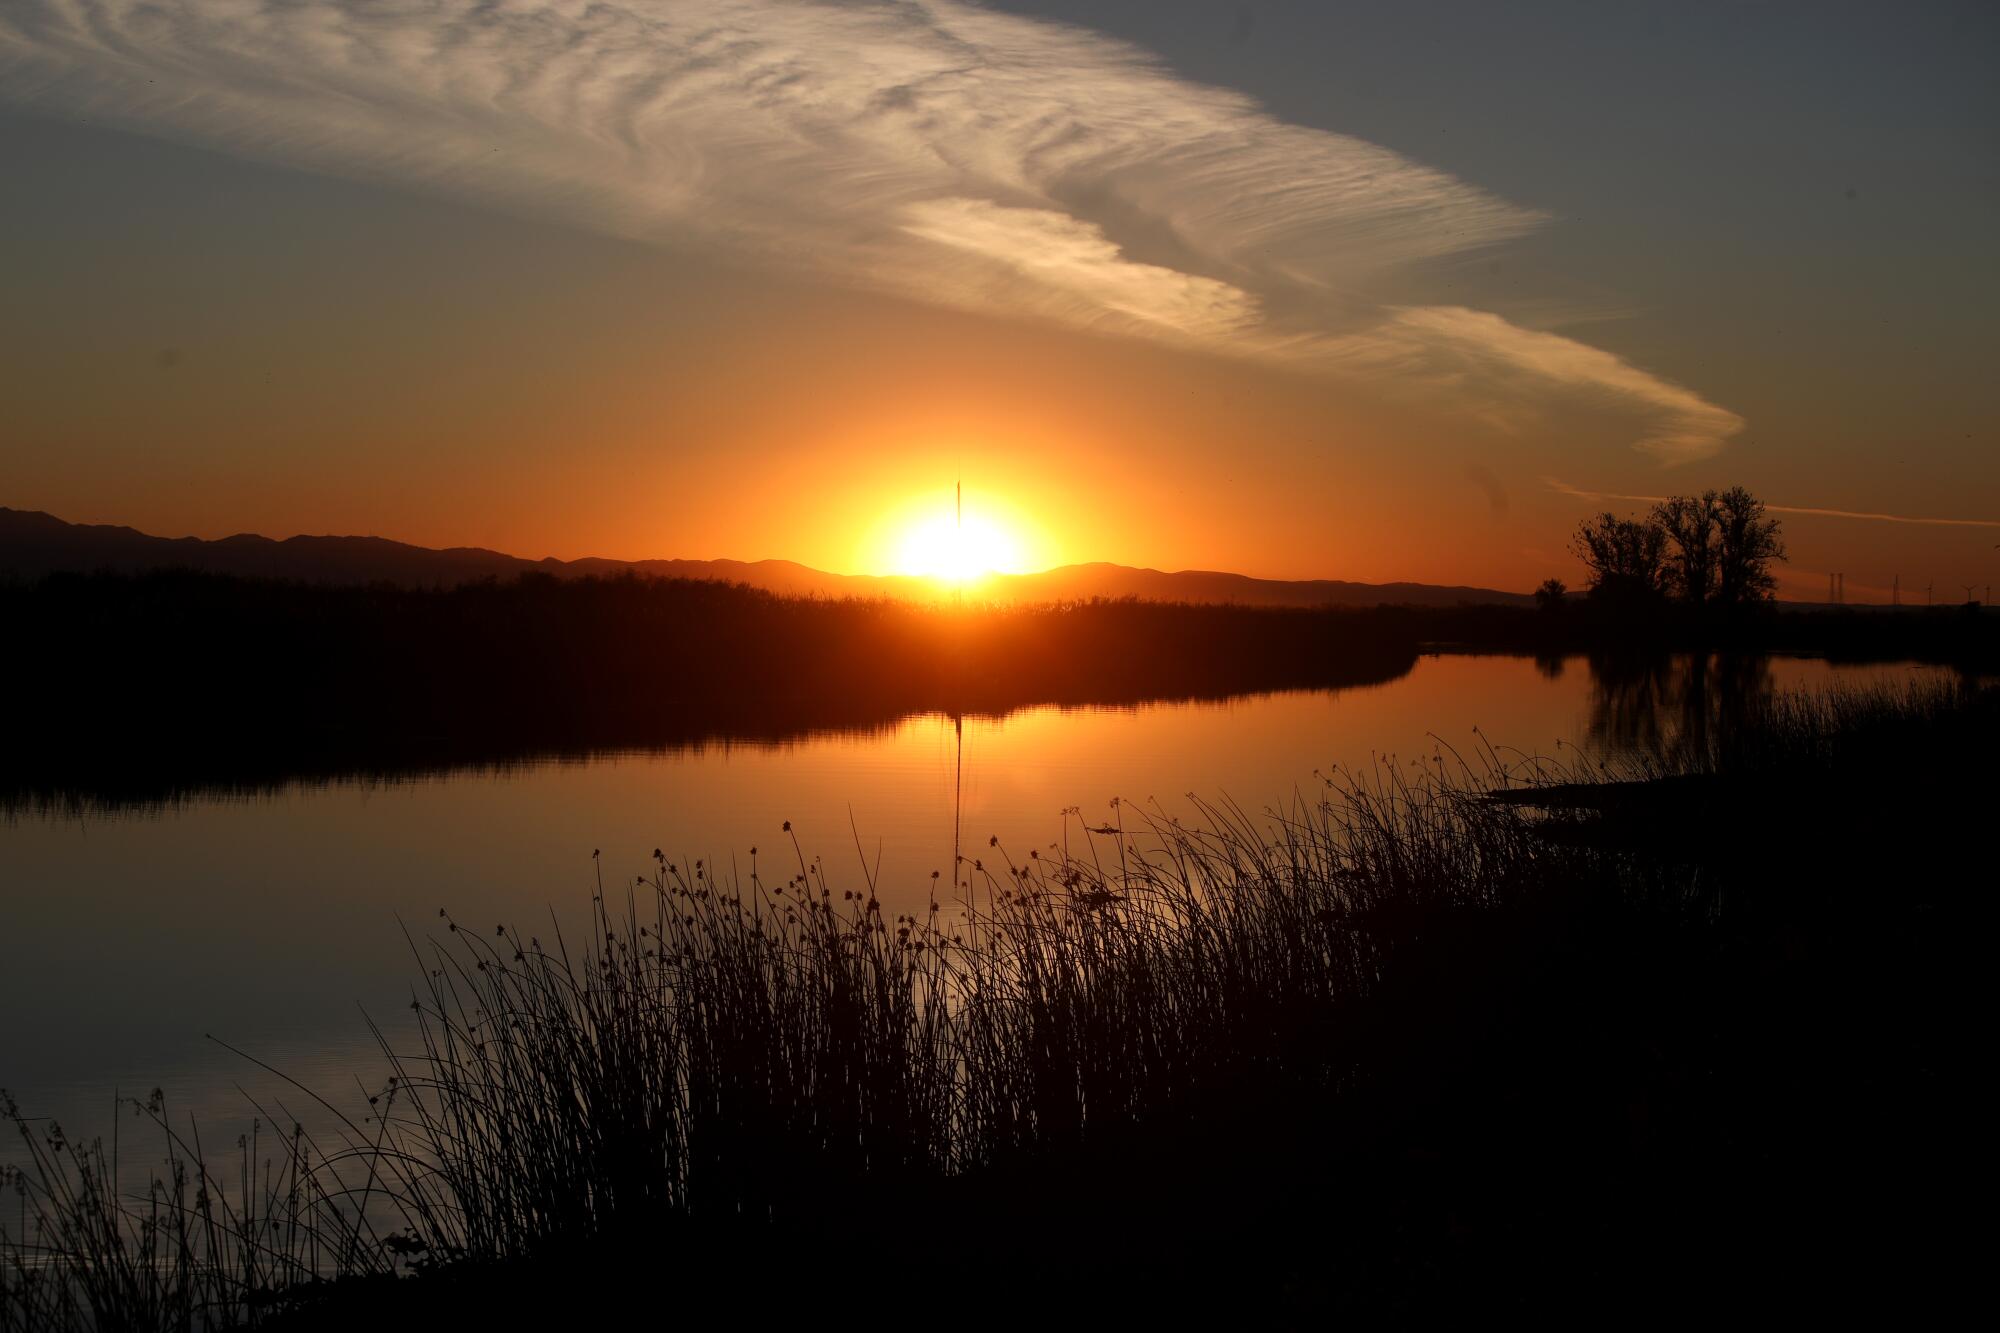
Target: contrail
1564	488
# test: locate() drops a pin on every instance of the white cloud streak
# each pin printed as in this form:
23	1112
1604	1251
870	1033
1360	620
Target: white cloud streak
930	148
1495	364
1564	488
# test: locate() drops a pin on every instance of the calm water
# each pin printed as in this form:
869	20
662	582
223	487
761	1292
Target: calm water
272	921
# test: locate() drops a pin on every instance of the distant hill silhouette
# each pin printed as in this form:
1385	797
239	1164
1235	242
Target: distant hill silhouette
1072	582
33	544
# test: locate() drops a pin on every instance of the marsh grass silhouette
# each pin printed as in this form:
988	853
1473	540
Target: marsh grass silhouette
1506	1033
133	690
202	1245
144	688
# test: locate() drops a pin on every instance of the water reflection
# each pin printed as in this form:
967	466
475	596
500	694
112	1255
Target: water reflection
1656	705
267	913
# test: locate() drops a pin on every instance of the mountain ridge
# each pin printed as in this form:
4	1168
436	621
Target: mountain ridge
34	544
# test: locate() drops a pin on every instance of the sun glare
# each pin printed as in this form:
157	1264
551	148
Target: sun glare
942	549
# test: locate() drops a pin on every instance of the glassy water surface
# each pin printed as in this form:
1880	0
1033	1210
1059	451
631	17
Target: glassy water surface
273	921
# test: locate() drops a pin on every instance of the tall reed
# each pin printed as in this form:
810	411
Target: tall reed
726	1050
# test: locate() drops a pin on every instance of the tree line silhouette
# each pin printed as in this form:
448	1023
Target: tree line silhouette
1708	551
138	688
135	688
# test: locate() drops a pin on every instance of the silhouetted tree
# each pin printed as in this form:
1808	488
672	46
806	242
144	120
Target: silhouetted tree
1692	526
1715	548
1626	558
1748	542
1550	595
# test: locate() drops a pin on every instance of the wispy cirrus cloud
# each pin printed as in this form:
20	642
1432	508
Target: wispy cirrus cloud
1492	360
926	147
1081	274
1564	488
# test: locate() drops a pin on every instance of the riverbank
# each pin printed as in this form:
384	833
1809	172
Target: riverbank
146	689
1414	1050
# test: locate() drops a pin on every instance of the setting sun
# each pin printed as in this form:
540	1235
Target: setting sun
941	548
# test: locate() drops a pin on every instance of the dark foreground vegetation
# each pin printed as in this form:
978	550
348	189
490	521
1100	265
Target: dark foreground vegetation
1690	1037
147	686
129	689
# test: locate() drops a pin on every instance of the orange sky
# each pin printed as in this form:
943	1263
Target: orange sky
1343	344
821	435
